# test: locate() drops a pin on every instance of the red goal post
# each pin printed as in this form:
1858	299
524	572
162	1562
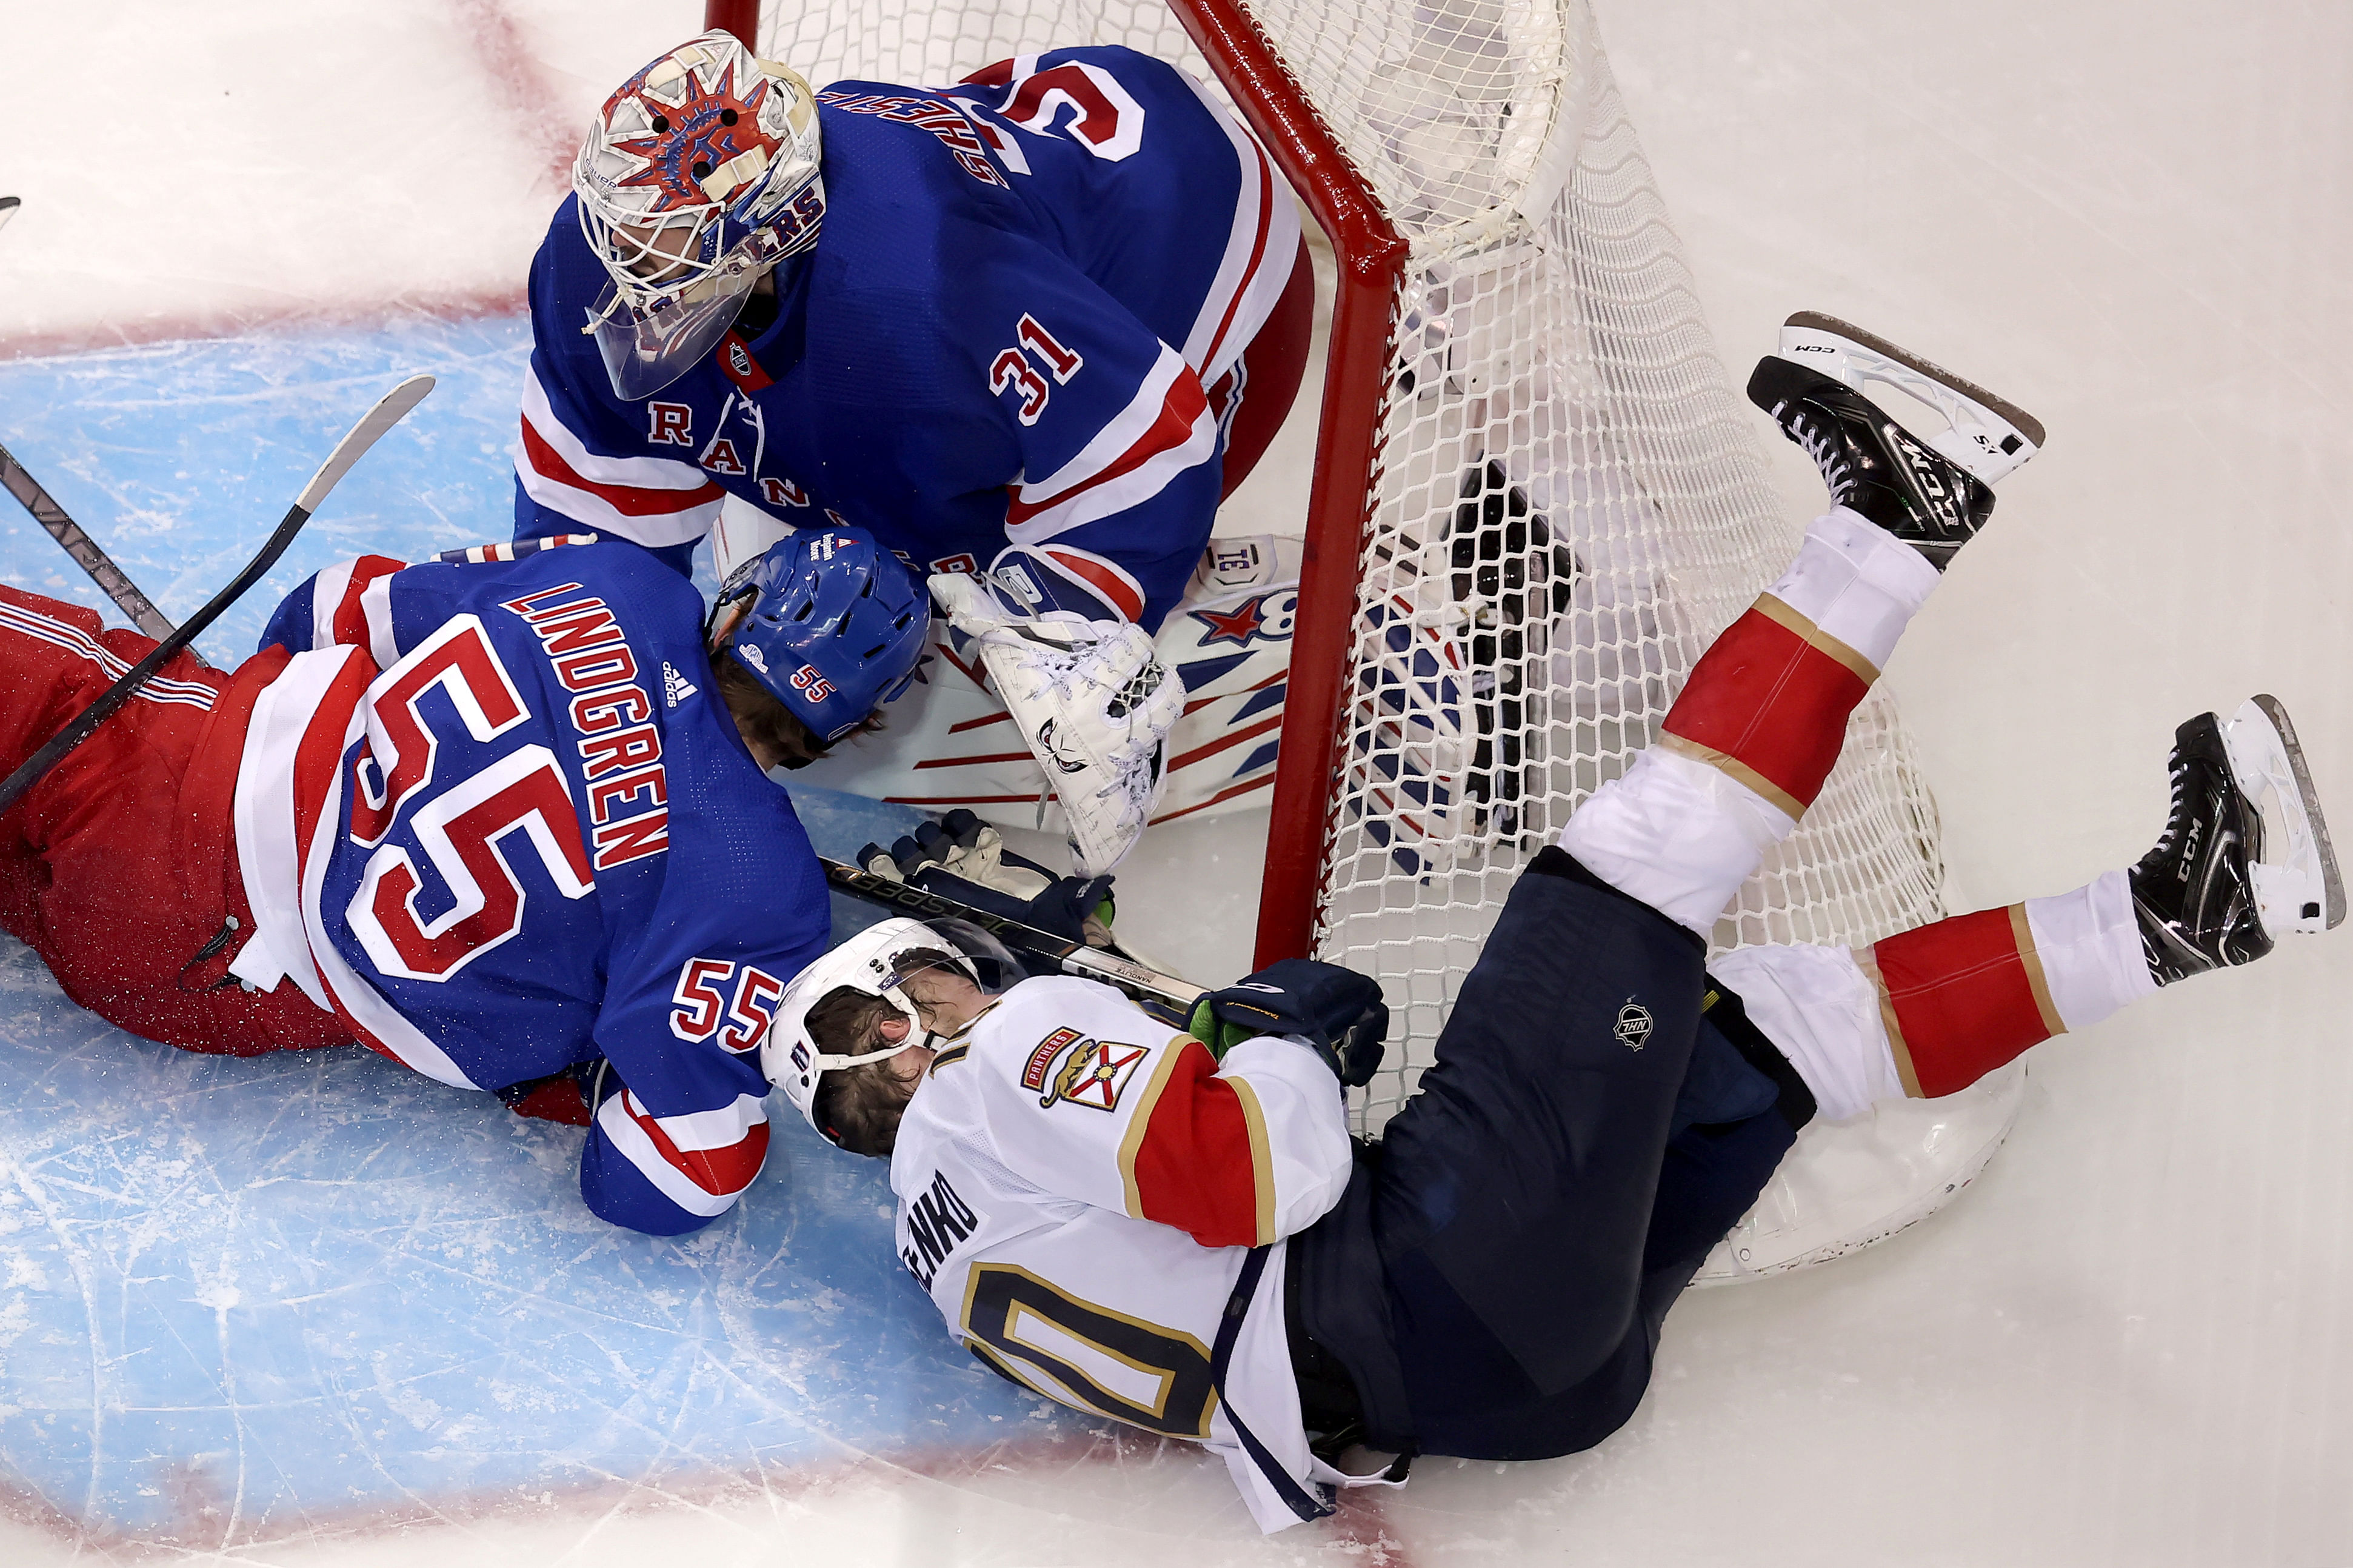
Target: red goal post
1535	496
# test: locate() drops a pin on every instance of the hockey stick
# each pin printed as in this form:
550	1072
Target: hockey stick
387	414
1075	957
67	532
81	546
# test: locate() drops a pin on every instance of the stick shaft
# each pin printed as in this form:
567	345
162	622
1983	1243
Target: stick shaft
1075	957
85	550
388	411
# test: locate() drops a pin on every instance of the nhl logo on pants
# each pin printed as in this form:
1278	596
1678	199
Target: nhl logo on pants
1633	1025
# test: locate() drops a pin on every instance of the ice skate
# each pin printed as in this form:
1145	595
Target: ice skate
1984	433
2244	857
1872	464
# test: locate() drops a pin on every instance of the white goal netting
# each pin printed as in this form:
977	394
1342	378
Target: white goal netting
1567	500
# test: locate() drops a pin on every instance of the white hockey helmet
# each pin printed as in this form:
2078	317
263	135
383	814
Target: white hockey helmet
698	174
871	962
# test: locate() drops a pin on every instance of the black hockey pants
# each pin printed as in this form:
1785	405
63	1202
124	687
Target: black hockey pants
1494	1280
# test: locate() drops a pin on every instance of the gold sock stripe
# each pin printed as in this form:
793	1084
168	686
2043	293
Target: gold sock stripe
2036	980
1781	615
1734	768
1867	960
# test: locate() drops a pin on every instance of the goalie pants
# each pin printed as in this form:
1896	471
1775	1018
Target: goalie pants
119	867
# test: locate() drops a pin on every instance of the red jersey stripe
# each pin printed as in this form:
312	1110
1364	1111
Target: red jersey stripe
628	500
1184	404
723	1172
1199	1162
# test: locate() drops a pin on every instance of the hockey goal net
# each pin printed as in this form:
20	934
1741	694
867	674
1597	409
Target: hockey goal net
1537	496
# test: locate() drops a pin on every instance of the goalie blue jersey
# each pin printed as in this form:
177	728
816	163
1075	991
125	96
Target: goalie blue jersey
496	817
1022	286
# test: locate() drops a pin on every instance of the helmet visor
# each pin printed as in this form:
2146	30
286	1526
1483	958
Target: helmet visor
645	348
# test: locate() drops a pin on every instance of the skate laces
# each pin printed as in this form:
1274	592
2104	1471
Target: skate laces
2176	809
1829	458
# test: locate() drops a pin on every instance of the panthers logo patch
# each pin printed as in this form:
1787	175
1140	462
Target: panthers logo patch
1095	1074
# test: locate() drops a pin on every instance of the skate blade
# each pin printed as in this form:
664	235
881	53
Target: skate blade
1983	434
2300	890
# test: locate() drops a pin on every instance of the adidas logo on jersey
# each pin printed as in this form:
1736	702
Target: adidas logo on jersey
676	688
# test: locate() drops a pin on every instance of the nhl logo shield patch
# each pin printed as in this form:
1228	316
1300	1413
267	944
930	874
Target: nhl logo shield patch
1633	1030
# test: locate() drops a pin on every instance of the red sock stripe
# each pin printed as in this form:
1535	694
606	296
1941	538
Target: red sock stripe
1962	997
1766	697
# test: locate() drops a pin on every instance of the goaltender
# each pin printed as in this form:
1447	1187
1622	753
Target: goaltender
1178	1233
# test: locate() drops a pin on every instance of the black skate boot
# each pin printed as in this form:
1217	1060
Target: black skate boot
2194	894
1871	463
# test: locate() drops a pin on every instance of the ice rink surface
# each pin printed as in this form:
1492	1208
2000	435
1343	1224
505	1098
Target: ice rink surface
320	1311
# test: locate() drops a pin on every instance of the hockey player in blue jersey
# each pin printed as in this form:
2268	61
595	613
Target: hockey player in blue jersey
503	817
1006	324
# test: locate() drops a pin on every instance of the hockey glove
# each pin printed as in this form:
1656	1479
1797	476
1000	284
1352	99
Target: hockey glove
1091	702
1338	1011
963	857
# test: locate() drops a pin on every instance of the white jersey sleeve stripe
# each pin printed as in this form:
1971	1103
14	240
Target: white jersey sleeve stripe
720	1129
1259	251
73	640
634	1144
652	501
1262	1156
327	590
375	610
1165	430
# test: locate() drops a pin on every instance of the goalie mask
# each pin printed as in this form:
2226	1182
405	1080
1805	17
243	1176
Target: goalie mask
698	176
877	962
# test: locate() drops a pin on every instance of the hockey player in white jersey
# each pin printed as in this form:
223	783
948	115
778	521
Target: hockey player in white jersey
1172	1229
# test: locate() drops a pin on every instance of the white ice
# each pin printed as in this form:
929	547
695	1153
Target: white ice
2130	1342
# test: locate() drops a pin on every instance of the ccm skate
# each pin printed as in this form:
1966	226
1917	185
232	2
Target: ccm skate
2245	857
1933	495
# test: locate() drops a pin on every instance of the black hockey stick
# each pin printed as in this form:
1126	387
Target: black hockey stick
82	547
1075	957
8	205
387	414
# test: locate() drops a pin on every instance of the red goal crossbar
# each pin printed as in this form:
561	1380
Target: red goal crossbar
1371	257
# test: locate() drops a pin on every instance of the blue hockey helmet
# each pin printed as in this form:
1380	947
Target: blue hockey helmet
829	621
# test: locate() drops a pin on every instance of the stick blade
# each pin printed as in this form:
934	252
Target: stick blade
8	205
389	411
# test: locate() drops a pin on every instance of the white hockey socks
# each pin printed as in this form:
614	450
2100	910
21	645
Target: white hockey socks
1930	1011
1756	728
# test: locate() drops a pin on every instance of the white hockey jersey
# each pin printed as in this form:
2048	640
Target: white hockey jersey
1079	1189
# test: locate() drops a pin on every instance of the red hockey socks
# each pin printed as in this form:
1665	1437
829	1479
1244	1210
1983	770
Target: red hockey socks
1758	724
1965	995
1767	704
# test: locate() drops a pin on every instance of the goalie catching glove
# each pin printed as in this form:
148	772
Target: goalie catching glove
1093	704
1338	1011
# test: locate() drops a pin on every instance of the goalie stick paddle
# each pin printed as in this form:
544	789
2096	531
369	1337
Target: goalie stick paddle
1148	985
387	414
81	546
